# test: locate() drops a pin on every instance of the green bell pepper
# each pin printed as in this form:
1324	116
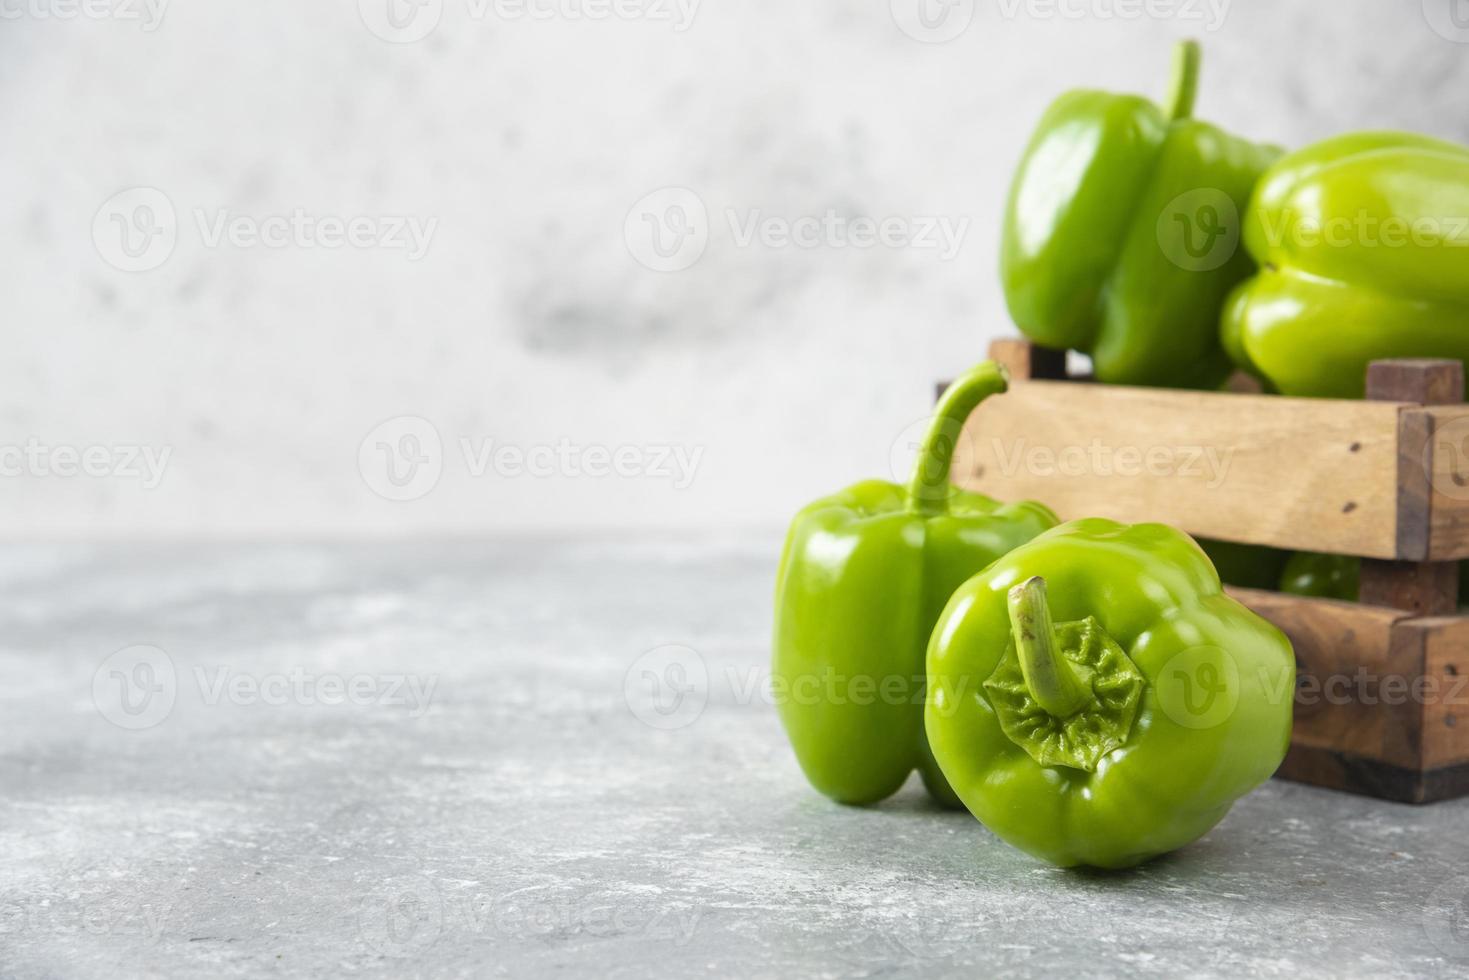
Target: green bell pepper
1363	241
862	578
1246	565
1121	229
1096	699
1323	576
1338	577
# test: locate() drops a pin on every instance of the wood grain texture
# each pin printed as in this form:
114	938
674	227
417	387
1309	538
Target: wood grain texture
1444	689
1423	588
1412	582
1345	654
1306	474
1381	700
1446	460
1426	381
1371	777
1430	505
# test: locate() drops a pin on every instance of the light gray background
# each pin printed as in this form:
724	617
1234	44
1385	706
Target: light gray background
536	812
529	322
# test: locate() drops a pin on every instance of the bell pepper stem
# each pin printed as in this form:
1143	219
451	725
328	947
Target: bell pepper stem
1184	84
929	490
1049	676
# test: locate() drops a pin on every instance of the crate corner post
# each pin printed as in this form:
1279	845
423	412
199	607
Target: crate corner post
1413	583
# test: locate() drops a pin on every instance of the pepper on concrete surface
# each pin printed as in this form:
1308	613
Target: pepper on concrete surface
1121	232
1363	242
864	574
1096	699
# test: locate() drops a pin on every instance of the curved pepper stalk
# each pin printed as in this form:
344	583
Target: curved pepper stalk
929	489
1065	693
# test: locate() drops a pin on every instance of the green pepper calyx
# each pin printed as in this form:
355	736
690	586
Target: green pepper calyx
929	489
1066	693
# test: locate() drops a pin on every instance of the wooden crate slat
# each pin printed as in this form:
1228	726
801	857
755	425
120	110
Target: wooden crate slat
1447	463
1315	475
1370	777
1382	707
1446	689
1343	652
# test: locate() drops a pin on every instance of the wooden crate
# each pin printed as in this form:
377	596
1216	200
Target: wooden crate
1382	701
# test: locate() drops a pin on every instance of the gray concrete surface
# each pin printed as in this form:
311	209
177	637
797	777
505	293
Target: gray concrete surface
509	792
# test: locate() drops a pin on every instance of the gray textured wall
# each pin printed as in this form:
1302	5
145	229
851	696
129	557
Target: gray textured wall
521	148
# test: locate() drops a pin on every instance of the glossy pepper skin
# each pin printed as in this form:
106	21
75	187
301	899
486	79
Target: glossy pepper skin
1110	233
1095	699
863	576
1364	254
1310	573
1323	576
1246	565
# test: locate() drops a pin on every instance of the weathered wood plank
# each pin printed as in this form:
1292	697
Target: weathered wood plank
1413	583
1345	654
1308	474
1446	458
1444	689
